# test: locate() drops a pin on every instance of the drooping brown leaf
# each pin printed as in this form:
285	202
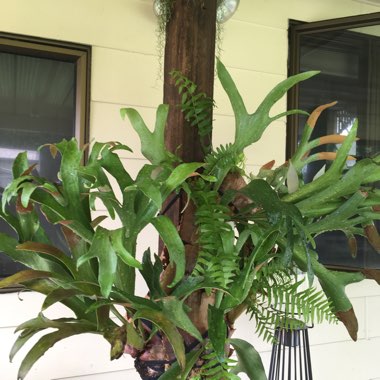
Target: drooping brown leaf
353	246
21	209
373	236
29	170
268	166
348	318
312	120
332	139
331	156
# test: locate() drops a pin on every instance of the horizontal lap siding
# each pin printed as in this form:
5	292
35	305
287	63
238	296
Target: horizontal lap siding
125	73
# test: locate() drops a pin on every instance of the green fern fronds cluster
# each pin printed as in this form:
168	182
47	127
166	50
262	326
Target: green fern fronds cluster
281	302
196	106
217	258
215	369
221	161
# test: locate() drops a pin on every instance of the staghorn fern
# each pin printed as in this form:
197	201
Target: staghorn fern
275	217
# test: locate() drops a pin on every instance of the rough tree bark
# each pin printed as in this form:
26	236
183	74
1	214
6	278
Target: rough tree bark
190	48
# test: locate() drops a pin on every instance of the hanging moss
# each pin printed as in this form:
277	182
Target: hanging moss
164	10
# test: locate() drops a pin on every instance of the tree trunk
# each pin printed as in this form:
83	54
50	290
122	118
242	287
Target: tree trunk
190	49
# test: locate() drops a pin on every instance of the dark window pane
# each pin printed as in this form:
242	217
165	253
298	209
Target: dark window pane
349	61
37	99
37	106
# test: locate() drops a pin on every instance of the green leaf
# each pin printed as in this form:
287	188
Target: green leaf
169	329
57	295
24	276
50	251
133	337
48	285
151	274
12	221
265	196
321	188
250	127
72	186
333	284
217	331
20	165
178	176
126	264
27	190
189	285
31	327
249	360
151	190
152	143
41	322
112	163
12	189
21	340
136	302
173	242
231	90
85	233
30	259
48	341
121	251
240	288
101	248
175	311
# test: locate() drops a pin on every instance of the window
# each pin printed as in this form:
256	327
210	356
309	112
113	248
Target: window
44	97
347	51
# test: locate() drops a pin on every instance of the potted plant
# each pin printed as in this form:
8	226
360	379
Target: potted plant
253	233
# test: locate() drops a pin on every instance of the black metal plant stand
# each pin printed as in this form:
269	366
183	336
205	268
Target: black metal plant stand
290	358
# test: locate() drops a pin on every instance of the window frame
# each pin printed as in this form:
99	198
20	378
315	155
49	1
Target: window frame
79	54
62	51
297	29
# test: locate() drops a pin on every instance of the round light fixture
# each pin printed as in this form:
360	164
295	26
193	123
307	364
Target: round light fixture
226	9
224	12
157	7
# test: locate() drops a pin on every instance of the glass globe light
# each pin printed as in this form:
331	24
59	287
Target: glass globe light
226	9
157	7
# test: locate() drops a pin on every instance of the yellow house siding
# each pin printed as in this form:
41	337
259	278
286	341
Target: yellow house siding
125	73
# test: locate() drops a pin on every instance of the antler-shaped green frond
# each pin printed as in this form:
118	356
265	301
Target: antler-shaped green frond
250	127
152	143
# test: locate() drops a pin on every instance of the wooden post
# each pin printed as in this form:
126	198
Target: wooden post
190	49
